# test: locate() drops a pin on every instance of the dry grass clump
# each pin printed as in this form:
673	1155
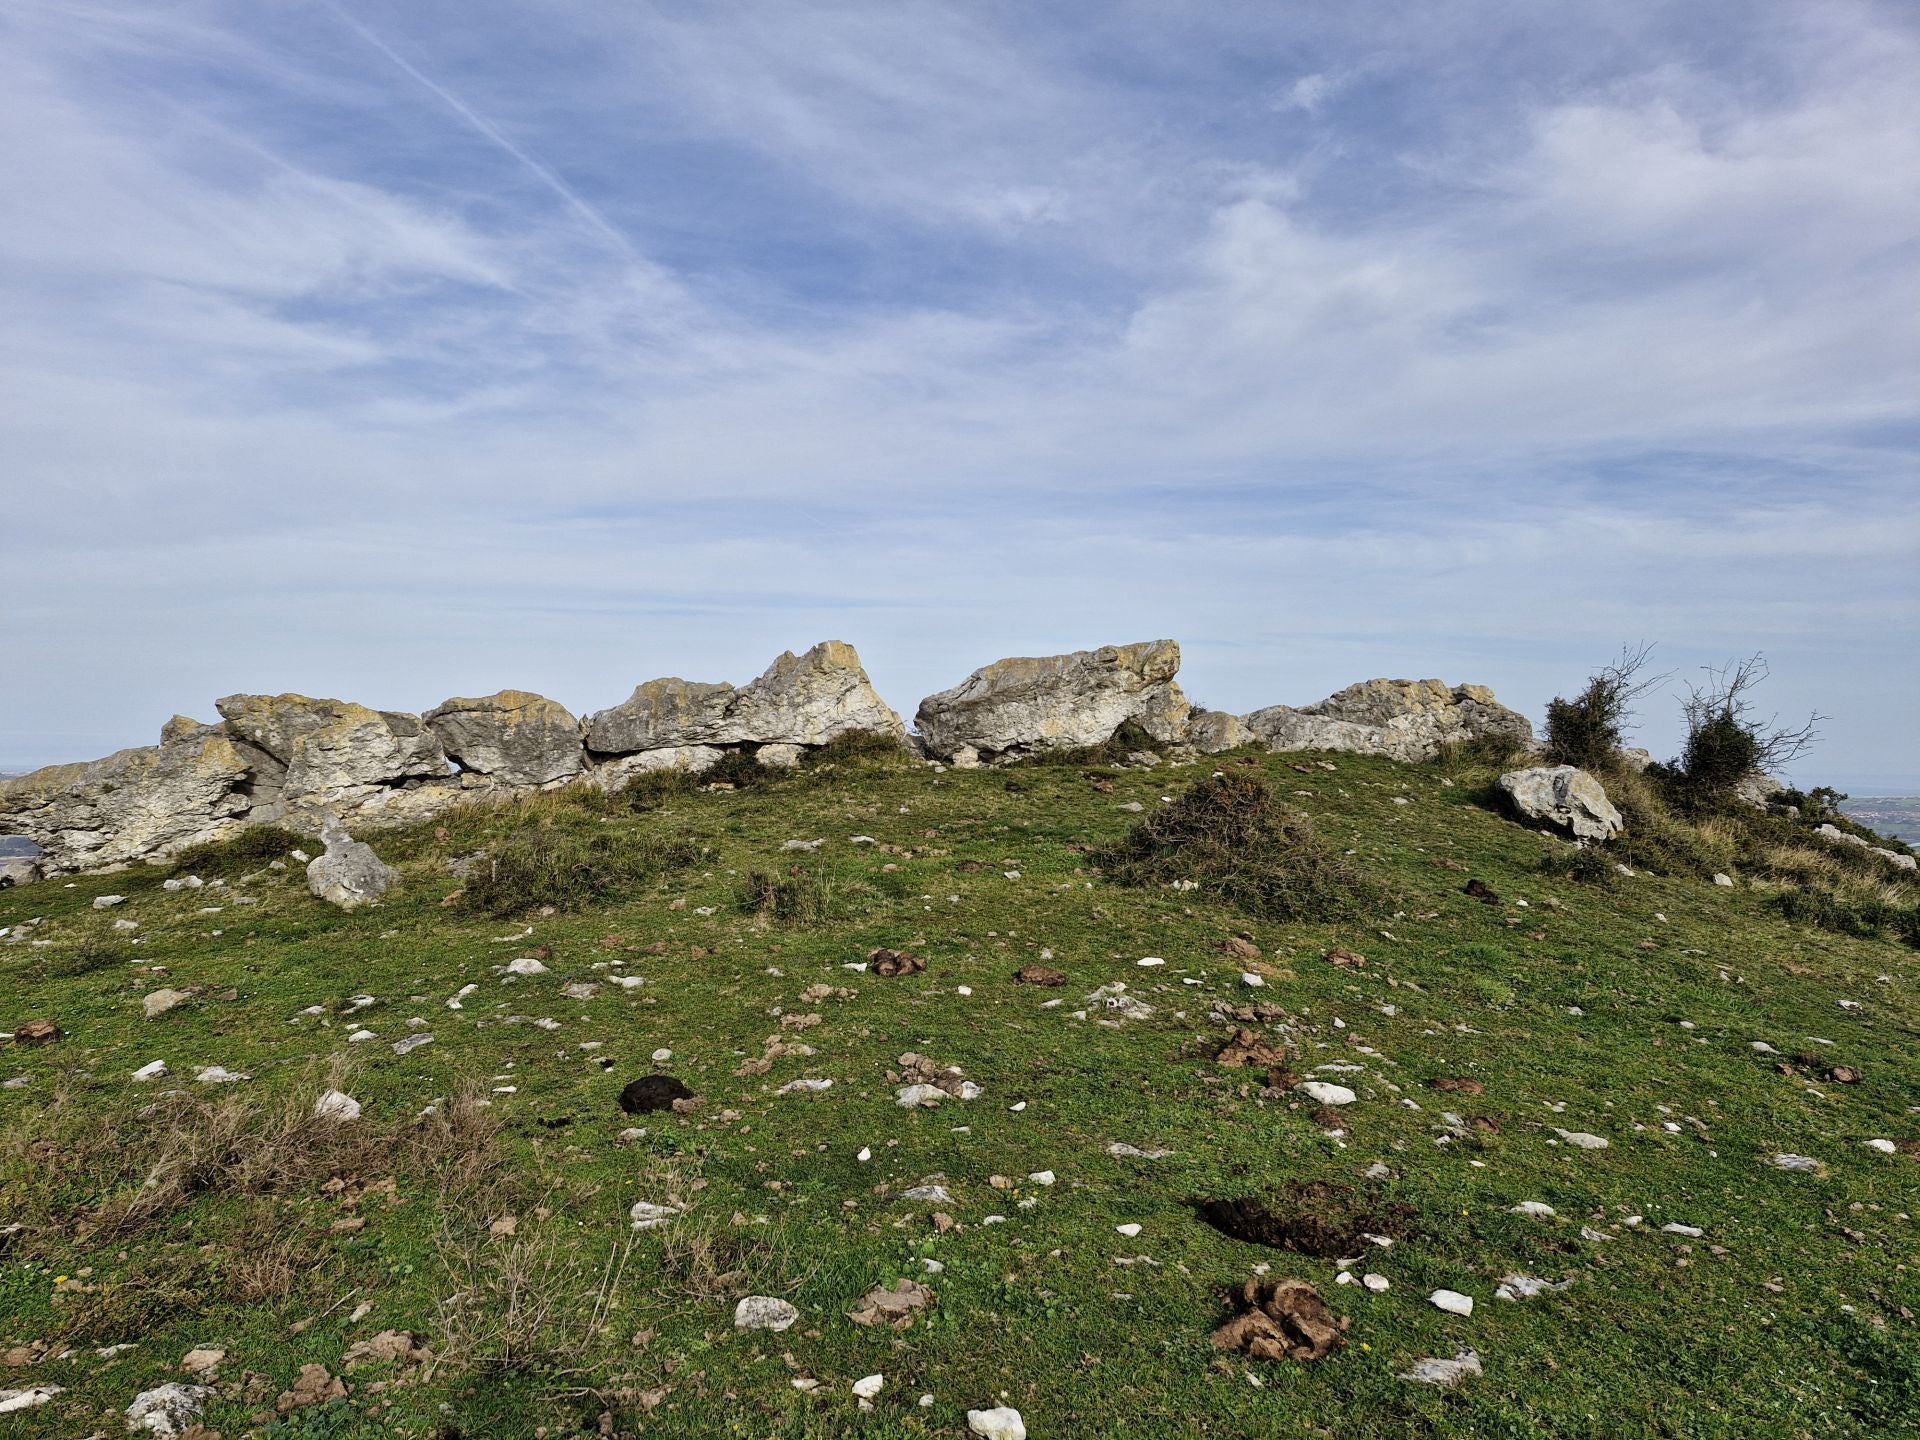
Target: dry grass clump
1231	835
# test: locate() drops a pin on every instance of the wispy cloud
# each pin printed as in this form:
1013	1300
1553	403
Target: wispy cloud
577	346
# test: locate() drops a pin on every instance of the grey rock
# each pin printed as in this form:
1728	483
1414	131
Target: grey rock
1446	1373
805	699
764	1312
513	737
107	902
349	874
1021	706
1565	797
169	1409
1402	719
163	1000
330	754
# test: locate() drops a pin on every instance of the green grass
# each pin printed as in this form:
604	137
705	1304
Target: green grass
1567	1009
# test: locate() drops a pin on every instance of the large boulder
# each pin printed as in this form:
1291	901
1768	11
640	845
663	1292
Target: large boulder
147	801
1403	719
1019	706
1212	731
330	752
513	737
805	699
1565	797
349	874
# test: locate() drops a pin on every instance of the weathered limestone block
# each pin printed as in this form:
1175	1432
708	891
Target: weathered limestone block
513	736
1022	705
1562	796
349	874
805	699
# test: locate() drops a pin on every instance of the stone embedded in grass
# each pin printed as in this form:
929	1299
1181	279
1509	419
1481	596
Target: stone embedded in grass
1884	1147
203	1360
360	1037
894	1306
168	1409
218	1075
1326	1093
525	965
1444	1373
1377	1283
1794	1162
34	1395
646	1215
1125	1151
868	1386
37	1032
932	1189
153	1070
1581	1139
412	1043
1537	1209
1130	1230
802	1087
336	1105
764	1312
163	1000
107	902
1003	1422
1692	1232
1451	1301
1525	1287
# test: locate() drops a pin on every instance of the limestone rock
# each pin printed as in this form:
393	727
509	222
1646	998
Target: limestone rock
1402	719
18	870
135	803
168	1409
612	774
328	750
801	700
1562	796
349	874
1212	731
513	736
764	1312
1019	706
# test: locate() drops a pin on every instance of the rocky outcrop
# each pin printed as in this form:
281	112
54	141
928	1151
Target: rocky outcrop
1834	835
807	699
512	737
145	801
1022	706
317	755
1565	797
1401	719
1212	731
349	874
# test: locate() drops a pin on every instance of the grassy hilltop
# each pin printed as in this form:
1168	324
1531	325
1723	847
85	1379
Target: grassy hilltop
480	1203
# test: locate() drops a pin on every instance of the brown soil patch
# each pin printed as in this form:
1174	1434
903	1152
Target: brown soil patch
1282	1320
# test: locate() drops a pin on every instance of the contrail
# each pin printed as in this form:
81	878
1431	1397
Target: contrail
480	123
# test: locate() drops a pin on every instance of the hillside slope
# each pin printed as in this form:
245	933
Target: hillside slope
170	1215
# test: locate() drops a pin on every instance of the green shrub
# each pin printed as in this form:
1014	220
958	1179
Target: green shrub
1589	729
568	867
1726	742
651	789
1233	837
253	848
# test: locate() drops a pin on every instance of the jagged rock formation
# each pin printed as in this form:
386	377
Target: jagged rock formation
304	762
1019	706
1565	797
513	737
805	699
1402	719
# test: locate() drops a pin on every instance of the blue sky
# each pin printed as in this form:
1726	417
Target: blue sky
401	351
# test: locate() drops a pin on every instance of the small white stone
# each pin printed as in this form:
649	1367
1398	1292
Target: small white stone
1452	1301
963	989
1252	981
865	1155
661	1056
1326	1093
1885	1147
525	965
1692	1232
1148	962
868	1386
360	1037
1130	1230
336	1105
1761	1047
1042	1177
764	1312
1002	1422
157	1070
1377	1283
1538	1209
1580	1139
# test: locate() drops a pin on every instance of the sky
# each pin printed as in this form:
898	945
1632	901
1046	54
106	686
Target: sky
394	352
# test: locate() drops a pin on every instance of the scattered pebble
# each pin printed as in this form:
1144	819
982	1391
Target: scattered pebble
764	1312
1003	1422
1326	1093
1444	1372
1536	1208
412	1043
1451	1301
1130	1230
157	1070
